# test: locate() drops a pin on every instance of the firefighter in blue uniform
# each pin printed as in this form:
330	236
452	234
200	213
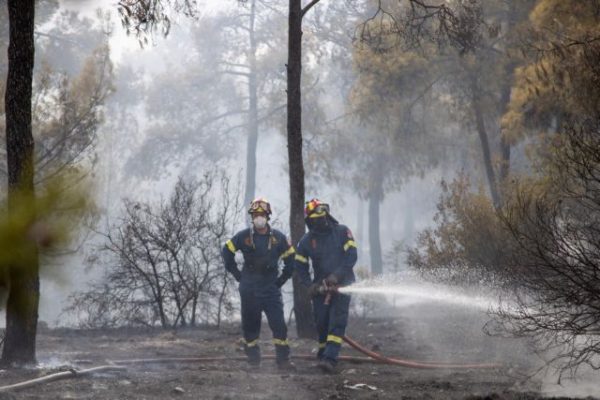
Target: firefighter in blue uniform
260	281
332	250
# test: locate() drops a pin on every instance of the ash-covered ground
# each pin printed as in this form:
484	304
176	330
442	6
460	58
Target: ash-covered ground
425	332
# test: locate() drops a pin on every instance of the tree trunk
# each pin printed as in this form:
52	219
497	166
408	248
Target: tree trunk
221	300
304	321
24	290
409	227
361	227
485	145
252	113
505	153
375	198
509	71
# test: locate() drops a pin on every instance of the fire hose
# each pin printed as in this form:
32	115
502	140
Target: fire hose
328	290
372	357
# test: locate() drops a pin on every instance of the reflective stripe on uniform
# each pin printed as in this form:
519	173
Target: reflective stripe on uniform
230	246
349	243
289	252
281	342
334	339
252	343
301	258
322	345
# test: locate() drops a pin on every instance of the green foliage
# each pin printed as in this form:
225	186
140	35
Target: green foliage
469	244
67	109
541	246
43	223
558	80
410	91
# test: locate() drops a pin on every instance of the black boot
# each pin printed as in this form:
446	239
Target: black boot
253	353
327	366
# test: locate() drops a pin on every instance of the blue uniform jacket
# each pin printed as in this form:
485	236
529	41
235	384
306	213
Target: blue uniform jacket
262	253
331	252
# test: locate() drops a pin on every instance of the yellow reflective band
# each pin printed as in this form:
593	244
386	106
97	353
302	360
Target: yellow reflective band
230	246
317	214
322	345
334	339
301	258
280	342
349	243
289	252
252	343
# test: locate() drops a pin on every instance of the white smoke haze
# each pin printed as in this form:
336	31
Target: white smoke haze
583	385
137	68
142	151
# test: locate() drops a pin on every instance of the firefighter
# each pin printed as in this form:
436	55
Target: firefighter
332	250
260	282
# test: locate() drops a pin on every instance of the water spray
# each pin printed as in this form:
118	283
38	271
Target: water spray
407	287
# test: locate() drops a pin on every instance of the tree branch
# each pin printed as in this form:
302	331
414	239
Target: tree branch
308	7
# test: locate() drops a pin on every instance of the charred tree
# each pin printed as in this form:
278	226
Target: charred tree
24	286
302	309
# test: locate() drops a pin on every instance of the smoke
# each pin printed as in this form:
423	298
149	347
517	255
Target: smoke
583	384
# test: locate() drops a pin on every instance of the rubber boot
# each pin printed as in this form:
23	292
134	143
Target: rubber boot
253	353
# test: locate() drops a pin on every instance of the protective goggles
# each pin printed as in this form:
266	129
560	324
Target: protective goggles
317	211
259	206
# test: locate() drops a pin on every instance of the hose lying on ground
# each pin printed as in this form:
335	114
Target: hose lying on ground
414	364
60	375
308	357
373	357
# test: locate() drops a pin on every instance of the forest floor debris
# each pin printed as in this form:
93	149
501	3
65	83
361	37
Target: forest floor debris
424	332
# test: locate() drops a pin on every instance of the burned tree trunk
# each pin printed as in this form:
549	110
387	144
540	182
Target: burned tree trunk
302	309
24	289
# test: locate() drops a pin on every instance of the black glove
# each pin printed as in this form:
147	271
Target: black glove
280	281
331	280
314	289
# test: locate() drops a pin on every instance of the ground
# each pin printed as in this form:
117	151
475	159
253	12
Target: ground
420	332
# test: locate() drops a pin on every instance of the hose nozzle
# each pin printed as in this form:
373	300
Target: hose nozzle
328	290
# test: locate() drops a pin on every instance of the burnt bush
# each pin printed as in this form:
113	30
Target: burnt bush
162	261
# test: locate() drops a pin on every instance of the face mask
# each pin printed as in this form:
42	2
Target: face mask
319	224
260	222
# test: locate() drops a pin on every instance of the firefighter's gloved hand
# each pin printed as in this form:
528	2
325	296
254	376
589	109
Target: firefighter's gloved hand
313	290
331	280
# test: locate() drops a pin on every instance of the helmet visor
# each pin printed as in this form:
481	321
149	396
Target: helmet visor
319	211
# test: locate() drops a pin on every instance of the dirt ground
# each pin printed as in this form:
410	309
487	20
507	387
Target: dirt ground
423	332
